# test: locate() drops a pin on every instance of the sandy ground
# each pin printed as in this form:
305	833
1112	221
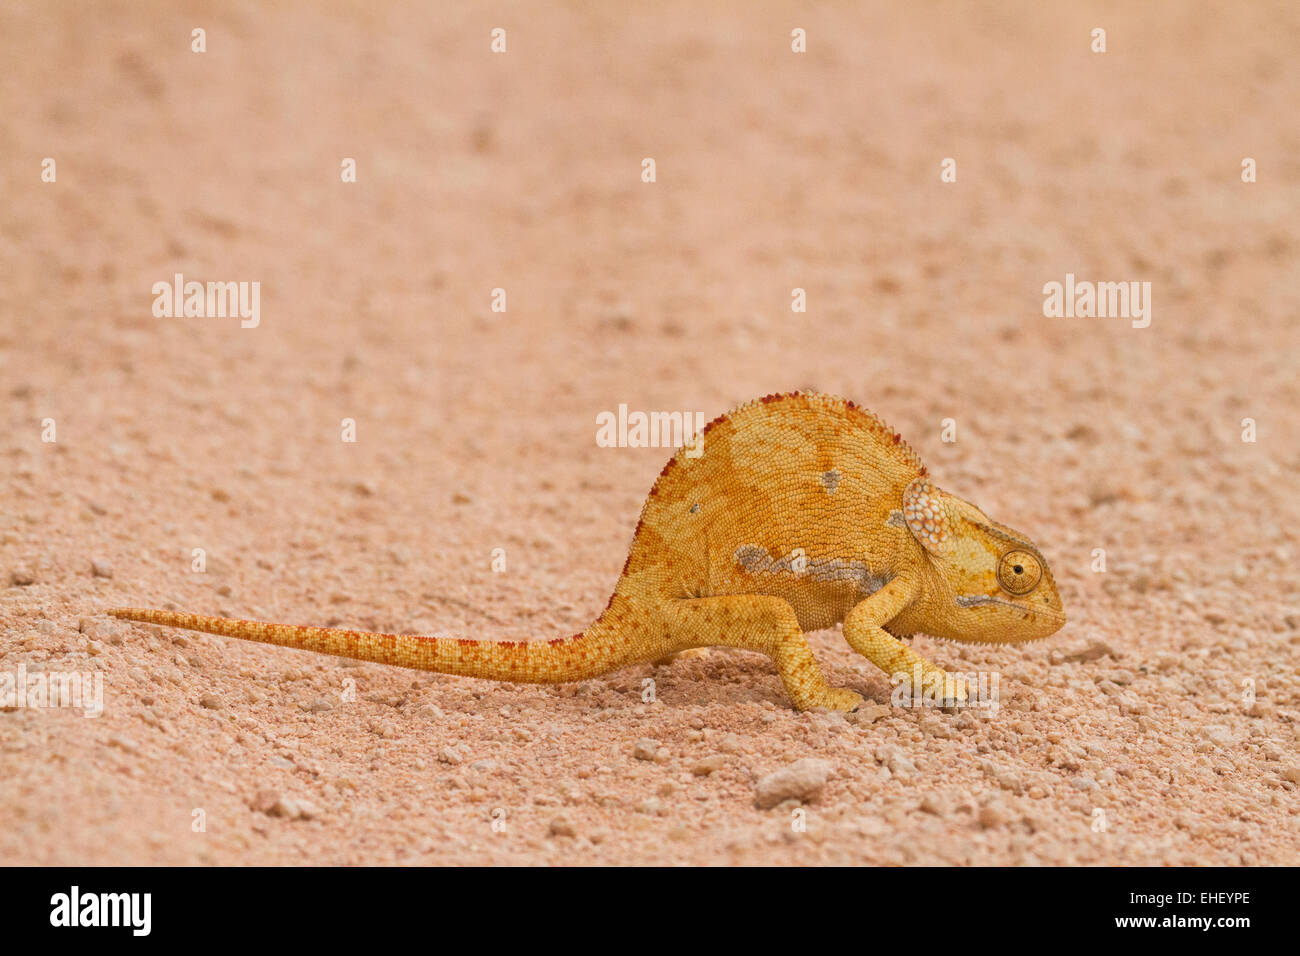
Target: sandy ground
1131	737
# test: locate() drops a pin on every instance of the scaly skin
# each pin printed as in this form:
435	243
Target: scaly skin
803	511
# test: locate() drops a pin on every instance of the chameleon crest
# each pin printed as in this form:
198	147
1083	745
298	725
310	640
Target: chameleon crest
802	511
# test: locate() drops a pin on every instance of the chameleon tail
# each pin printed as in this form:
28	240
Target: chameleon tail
596	651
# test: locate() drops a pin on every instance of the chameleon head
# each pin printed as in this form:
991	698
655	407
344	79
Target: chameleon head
990	583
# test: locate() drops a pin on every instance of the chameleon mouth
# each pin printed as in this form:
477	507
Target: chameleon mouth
1040	611
983	600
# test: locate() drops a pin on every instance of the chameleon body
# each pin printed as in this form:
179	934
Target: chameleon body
802	511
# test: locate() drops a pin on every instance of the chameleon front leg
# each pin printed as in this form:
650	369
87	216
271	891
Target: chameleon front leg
864	630
758	622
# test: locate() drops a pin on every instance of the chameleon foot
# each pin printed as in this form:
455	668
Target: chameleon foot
839	698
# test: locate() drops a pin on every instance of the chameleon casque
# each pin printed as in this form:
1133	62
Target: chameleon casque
803	511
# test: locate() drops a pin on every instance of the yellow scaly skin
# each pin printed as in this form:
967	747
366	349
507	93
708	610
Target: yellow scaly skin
803	511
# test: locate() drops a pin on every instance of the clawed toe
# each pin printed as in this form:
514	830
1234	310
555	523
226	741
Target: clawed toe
841	699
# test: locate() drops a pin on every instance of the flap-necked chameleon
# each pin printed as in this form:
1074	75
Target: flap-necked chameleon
790	513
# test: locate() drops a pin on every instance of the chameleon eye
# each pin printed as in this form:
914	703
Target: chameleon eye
1019	572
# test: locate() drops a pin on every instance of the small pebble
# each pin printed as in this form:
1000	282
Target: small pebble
1092	651
803	780
991	816
1219	735
708	765
646	749
123	743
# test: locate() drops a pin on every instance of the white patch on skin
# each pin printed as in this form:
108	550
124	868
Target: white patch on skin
752	557
756	560
896	520
831	481
924	513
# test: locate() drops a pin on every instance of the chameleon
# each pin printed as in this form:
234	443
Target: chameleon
790	513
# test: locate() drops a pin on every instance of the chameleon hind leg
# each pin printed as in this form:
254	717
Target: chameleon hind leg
758	622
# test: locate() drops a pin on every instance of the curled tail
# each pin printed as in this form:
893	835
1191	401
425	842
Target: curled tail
598	650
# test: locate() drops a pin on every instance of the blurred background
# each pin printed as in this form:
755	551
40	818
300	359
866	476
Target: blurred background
522	171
